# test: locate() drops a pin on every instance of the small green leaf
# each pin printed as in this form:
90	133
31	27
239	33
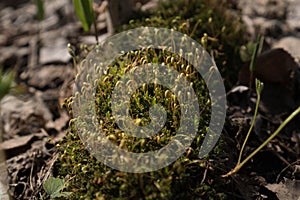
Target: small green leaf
85	12
246	51
6	83
53	186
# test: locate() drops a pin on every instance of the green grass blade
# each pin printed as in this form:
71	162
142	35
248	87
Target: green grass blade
254	54
40	9
85	13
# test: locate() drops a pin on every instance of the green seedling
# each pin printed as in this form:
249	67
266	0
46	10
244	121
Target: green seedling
259	88
241	164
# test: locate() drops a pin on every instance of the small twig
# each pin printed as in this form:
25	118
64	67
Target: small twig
236	136
288	166
204	174
280	157
52	161
96	30
30	177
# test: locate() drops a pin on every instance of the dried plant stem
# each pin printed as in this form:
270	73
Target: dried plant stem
251	127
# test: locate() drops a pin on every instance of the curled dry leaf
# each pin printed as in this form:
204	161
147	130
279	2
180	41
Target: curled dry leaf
20	141
285	191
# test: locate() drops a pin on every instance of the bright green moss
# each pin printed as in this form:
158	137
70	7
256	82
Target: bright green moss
221	34
91	178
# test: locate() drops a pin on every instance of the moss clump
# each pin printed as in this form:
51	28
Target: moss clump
212	23
167	183
90	179
187	178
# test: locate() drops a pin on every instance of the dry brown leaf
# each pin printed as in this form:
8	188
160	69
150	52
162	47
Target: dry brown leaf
20	141
274	66
290	190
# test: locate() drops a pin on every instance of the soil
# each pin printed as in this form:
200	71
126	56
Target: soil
33	121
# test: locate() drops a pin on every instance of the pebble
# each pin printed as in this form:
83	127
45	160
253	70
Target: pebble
55	52
293	17
290	44
276	20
